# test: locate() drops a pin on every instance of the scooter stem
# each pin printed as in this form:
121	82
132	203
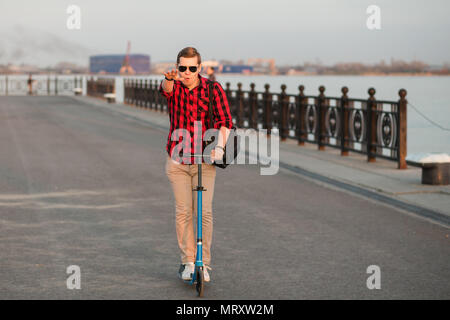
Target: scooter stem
199	189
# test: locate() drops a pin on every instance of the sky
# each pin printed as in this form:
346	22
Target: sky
291	32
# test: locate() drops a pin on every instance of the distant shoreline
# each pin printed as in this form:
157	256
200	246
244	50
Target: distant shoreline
368	74
303	74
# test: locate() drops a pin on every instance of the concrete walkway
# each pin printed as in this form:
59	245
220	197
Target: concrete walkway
82	183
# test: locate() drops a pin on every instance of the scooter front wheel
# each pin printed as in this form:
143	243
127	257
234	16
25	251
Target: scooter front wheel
200	282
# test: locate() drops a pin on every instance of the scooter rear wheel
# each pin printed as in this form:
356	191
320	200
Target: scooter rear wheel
200	282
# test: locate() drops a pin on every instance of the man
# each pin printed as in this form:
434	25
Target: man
30	84
187	96
210	73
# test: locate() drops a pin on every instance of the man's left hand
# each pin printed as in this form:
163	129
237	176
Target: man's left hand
217	154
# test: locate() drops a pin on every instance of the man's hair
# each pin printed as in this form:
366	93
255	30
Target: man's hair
189	52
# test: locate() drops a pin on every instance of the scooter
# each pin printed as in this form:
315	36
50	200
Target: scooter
198	277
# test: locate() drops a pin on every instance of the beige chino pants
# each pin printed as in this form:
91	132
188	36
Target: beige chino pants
184	178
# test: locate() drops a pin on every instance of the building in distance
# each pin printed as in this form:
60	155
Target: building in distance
235	68
112	63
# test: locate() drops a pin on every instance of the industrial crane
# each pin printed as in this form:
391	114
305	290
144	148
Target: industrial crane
126	67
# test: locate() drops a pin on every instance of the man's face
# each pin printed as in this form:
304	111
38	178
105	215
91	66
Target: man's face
189	77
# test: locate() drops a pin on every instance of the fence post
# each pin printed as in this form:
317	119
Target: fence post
267	109
228	90
161	102
140	90
127	90
154	92
93	86
125	87
150	93
155	95
402	104
301	116
6	85
283	120
253	110
320	118
371	128
133	88
230	101
143	94
56	85
130	91
240	106
344	121
136	93
146	93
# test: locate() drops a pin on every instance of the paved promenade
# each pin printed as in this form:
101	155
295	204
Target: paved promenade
82	183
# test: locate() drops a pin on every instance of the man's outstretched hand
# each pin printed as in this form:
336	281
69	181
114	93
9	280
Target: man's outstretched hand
173	75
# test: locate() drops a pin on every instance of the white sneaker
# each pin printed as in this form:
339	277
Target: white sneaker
186	271
206	274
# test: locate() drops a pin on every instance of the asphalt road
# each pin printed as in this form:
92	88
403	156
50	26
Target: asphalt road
80	185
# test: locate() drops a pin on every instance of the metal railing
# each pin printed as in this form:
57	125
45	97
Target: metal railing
369	126
39	84
98	87
373	127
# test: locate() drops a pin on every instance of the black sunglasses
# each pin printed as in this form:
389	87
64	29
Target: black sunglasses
184	68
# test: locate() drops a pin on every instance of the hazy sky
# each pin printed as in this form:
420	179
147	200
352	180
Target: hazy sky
289	31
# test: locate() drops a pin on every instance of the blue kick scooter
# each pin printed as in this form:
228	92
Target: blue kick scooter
198	276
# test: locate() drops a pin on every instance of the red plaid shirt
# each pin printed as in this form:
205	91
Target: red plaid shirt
186	107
